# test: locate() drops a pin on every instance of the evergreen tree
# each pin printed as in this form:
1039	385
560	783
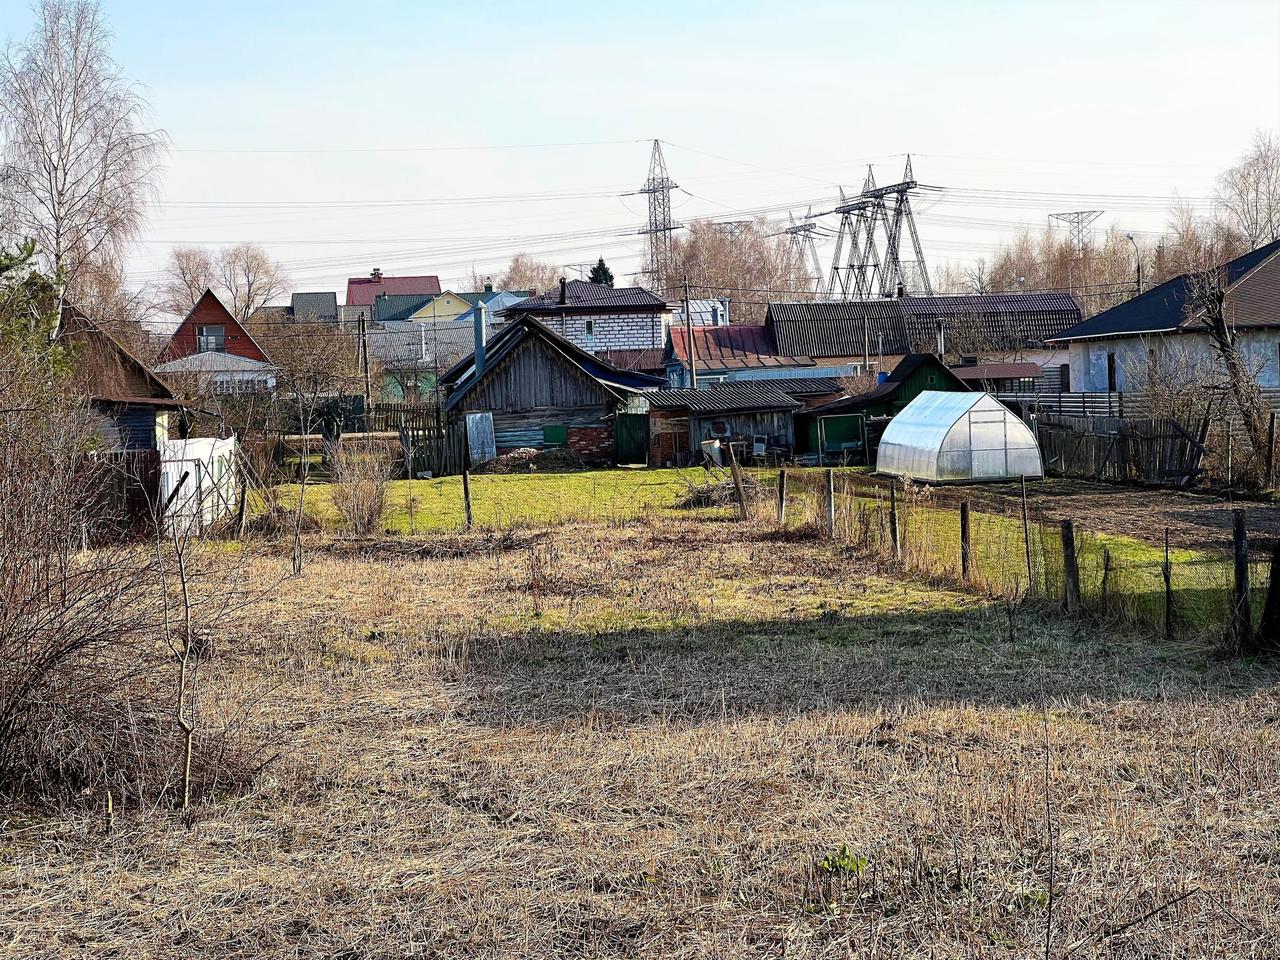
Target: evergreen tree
601	273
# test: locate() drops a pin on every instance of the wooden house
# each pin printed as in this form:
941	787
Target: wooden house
209	327
850	427
681	420
538	390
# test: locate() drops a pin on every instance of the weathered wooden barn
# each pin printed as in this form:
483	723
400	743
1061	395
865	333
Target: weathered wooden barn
541	390
680	420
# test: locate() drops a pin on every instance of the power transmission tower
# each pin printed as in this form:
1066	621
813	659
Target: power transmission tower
802	249
658	188
878	214
1078	222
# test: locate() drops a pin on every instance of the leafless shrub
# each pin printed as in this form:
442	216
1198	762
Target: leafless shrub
361	474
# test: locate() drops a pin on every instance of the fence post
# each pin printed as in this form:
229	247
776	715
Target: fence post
1241	614
1166	571
1026	534
736	471
1268	640
1231	436
466	495
966	544
1271	451
893	520
1070	570
831	503
782	498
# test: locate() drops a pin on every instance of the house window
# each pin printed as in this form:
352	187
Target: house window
1064	377
591	329
211	339
1111	372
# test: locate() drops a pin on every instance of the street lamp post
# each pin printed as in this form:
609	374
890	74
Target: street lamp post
1137	259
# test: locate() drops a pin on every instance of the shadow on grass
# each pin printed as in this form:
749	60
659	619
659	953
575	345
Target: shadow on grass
986	654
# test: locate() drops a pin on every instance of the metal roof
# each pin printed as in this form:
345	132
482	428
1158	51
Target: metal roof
214	362
398	306
632	359
734	347
361	291
489	296
704	312
581	295
828	328
316	306
804	386
997	371
725	398
410	346
1163	309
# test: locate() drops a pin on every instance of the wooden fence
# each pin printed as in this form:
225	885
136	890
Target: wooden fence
432	444
1127	450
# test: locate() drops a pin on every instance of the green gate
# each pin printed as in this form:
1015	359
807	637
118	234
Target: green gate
631	438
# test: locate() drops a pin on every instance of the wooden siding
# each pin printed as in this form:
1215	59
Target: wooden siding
778	427
535	377
525	428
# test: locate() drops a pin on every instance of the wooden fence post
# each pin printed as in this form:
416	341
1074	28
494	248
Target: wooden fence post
966	543
1026	535
893	520
1166	571
1241	613
736	471
831	503
1271	451
1231	437
1268	640
782	498
1070	569
466	495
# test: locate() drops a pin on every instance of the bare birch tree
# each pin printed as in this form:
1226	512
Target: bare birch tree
250	279
1250	191
79	164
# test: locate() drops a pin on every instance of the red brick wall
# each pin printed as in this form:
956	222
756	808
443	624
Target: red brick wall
668	437
592	443
210	312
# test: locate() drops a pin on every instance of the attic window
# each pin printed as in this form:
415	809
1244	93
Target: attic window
211	339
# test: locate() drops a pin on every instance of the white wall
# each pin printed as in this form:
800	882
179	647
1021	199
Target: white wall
1261	349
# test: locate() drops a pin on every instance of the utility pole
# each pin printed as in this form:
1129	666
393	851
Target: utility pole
688	332
364	360
1137	261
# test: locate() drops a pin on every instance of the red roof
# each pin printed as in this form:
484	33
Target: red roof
732	347
362	291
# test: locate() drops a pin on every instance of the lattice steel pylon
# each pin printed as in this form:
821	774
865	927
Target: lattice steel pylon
658	188
1078	222
875	214
802	249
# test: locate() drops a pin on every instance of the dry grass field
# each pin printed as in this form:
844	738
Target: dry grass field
681	737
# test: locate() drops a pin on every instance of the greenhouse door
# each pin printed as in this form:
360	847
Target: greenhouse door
988	445
631	438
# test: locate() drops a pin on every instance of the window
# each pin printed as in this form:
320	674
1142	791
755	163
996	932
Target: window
1064	377
591	329
211	339
1111	372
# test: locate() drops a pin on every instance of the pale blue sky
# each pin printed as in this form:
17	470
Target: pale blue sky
764	105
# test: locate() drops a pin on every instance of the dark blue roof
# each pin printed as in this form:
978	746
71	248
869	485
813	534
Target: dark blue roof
1161	309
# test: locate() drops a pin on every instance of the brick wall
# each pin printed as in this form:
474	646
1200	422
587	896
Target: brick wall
592	443
668	437
612	331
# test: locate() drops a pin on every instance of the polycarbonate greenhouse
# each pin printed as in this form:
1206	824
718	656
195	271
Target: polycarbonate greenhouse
955	437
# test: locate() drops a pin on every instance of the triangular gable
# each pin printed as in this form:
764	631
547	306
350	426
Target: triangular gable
210	310
103	367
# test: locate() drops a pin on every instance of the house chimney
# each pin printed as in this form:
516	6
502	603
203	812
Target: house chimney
488	286
564	291
478	357
942	340
902	290
376	274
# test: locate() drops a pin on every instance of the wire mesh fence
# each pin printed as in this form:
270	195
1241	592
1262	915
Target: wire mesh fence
1012	550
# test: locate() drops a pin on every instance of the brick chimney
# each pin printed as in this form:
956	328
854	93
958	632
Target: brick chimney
564	291
376	275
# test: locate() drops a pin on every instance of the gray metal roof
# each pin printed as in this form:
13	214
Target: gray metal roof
398	306
425	345
725	398
212	361
316	306
844	328
800	386
580	295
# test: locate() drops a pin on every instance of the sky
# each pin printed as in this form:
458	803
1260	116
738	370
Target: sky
423	137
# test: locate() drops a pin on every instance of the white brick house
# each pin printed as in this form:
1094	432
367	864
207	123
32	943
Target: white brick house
598	318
